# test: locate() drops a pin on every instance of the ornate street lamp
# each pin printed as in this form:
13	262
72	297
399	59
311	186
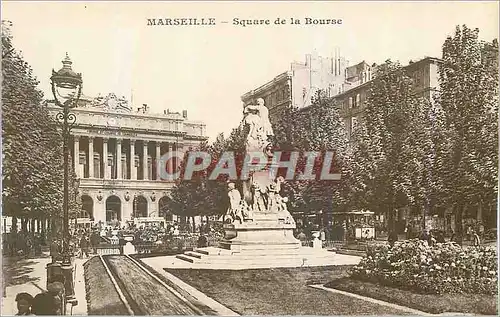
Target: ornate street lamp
67	89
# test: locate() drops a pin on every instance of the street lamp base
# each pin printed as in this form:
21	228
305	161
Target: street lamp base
67	270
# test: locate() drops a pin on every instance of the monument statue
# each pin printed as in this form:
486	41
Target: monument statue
256	119
234	210
262	191
258	197
259	229
111	103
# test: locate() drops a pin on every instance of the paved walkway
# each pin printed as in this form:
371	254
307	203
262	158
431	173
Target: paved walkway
30	276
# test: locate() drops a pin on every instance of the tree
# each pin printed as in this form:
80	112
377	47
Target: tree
32	170
468	95
201	195
387	156
317	128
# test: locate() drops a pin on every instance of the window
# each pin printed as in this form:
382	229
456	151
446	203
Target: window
350	102
356	101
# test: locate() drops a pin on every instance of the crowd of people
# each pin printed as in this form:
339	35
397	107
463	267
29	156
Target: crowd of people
23	243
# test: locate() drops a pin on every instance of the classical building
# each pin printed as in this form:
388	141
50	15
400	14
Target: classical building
297	86
115	149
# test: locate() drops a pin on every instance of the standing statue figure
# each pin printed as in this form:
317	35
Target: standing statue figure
234	203
259	203
260	128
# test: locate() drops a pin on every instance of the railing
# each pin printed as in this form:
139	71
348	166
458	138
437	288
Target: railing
333	244
109	249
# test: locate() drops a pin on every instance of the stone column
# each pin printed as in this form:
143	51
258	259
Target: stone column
119	159
91	157
133	174
180	151
171	160
145	159
76	156
105	157
158	165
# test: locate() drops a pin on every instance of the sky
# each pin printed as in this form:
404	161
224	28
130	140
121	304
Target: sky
206	69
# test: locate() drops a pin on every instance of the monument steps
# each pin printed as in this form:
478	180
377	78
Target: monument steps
219	256
186	258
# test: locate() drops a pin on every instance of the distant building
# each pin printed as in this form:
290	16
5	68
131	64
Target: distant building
424	73
115	149
297	86
348	84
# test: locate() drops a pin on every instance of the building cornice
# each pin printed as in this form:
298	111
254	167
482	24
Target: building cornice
364	85
174	117
281	77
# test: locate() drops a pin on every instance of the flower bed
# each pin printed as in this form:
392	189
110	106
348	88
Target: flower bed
443	268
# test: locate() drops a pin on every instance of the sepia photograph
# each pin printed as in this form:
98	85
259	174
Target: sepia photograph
250	158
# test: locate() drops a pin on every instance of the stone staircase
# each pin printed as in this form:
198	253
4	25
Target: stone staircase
272	257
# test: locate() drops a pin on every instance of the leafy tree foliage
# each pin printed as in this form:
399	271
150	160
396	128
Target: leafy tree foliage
468	80
32	165
389	152
202	195
318	128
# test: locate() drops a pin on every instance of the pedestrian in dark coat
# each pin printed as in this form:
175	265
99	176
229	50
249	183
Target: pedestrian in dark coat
392	238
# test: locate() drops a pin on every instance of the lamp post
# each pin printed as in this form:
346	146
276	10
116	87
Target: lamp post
66	88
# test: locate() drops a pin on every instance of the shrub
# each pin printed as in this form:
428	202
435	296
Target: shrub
443	268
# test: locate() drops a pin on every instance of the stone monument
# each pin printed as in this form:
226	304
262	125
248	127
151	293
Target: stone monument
261	219
259	227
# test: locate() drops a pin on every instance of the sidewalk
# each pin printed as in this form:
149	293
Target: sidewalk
30	276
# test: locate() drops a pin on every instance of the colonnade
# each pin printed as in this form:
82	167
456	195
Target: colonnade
119	158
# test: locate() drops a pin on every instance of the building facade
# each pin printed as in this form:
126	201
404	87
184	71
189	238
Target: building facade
425	76
349	85
298	86
115	150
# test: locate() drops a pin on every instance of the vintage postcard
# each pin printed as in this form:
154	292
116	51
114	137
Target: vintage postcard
249	158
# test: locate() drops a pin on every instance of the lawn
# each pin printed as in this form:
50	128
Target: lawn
435	304
280	291
102	298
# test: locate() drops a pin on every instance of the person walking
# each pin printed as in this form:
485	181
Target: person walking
476	240
392	238
55	250
84	247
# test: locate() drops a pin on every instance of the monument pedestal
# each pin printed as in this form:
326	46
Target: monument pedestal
265	232
265	241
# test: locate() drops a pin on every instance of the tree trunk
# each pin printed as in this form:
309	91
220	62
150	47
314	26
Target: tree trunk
458	211
33	221
194	225
14	225
390	215
479	214
24	224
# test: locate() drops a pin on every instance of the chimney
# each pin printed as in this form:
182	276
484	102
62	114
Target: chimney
184	114
308	60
